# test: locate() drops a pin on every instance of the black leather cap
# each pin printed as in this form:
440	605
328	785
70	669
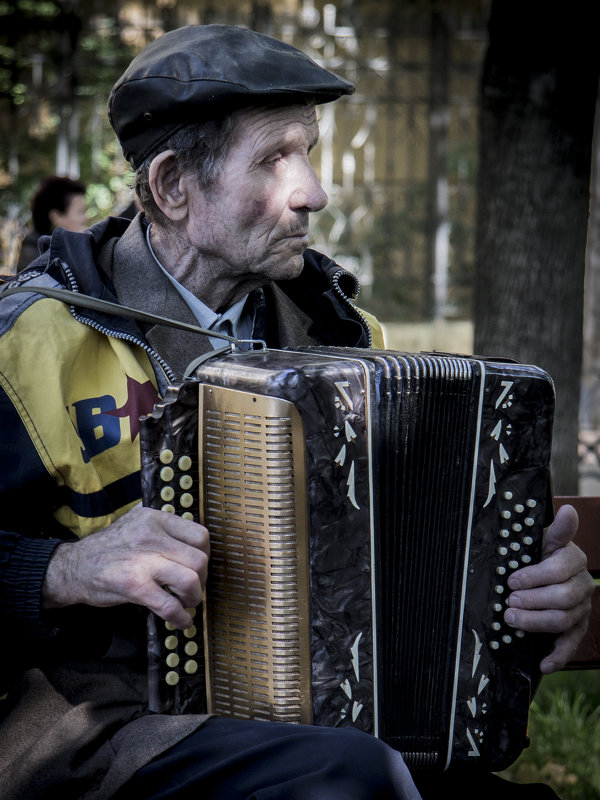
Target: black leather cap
199	72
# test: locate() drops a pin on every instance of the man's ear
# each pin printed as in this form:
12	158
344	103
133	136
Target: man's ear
167	186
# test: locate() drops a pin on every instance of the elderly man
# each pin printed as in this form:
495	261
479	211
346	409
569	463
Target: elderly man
218	123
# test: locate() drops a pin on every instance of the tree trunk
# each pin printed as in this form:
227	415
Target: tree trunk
589	410
438	224
539	91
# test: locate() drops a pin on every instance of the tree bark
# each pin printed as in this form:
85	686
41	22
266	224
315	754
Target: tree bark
539	90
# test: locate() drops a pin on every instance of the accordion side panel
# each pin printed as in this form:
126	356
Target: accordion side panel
497	669
253	501
329	395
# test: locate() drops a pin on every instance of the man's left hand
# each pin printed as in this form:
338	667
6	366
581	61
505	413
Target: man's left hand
554	596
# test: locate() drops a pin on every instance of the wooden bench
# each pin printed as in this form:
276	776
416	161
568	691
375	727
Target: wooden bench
588	538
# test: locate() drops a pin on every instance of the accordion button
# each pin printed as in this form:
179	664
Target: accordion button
508	495
502	551
172	678
513	564
515	546
504	533
529	521
191	648
527	540
519	508
517	527
186	500
167	474
507	639
186	481
167	493
526	559
519	634
496	626
191	667
500	570
190	632
171	642
172	660
184	463
168	508
497	607
188	515
499	589
506	515
531	503
165	456
494	645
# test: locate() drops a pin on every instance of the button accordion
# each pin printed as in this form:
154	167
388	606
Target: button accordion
365	510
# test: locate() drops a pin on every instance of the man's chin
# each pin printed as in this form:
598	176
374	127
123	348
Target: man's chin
288	269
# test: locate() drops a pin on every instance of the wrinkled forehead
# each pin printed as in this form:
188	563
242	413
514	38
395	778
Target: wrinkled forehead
290	123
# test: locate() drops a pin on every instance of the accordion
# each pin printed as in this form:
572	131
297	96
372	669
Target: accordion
365	510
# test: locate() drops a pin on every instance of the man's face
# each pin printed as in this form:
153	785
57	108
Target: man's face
253	224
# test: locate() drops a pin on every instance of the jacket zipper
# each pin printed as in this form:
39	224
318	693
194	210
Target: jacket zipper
335	281
127	337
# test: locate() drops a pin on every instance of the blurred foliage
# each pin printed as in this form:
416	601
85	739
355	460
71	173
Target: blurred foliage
564	730
60	58
58	62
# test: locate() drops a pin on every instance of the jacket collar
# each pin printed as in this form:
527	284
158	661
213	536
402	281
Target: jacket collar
314	308
139	282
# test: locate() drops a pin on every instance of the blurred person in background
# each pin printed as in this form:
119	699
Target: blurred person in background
59	202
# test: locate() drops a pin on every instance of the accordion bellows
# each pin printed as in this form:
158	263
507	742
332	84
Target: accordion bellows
365	510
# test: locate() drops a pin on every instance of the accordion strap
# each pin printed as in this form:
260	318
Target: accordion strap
96	304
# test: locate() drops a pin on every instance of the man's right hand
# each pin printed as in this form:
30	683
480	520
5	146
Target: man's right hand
147	557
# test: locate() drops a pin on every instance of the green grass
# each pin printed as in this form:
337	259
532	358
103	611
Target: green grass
564	728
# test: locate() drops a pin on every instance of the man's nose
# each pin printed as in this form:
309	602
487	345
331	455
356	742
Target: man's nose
309	193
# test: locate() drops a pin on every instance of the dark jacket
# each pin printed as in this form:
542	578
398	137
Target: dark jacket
29	250
73	383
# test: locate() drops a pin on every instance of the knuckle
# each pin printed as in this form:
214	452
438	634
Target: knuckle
189	582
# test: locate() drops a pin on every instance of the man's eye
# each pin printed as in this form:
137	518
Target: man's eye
272	159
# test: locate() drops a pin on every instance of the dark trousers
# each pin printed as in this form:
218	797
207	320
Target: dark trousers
246	760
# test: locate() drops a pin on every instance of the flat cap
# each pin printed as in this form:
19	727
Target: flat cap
199	72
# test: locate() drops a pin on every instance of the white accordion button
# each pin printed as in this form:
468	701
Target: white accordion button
167	474
186	500
184	463
172	678
186	482
165	456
